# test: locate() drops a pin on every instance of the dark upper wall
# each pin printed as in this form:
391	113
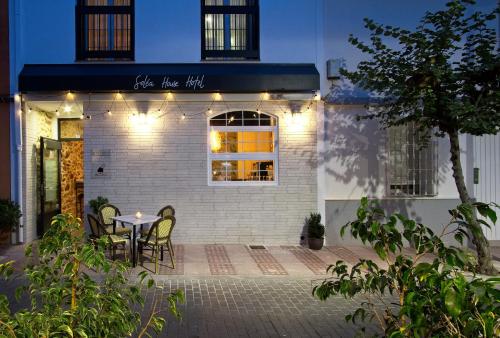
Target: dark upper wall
4	107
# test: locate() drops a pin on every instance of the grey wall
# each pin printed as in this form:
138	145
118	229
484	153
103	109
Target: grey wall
431	212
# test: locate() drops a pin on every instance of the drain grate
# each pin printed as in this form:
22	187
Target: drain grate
257	247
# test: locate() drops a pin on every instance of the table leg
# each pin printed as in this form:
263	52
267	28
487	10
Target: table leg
134	256
114	227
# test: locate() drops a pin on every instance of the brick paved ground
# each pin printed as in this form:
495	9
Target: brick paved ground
235	291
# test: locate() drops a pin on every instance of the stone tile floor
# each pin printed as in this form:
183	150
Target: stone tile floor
235	291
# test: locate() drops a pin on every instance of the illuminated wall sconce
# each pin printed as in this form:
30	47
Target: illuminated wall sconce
266	96
217	97
70	95
170	96
296	122
142	119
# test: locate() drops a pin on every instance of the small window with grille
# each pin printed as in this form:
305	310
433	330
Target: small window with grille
105	30
230	29
412	162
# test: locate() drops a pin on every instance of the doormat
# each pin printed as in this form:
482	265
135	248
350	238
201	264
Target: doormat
257	247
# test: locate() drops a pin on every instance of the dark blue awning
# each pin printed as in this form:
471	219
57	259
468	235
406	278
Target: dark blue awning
179	77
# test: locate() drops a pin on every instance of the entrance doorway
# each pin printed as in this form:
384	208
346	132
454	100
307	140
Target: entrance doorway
61	173
50	182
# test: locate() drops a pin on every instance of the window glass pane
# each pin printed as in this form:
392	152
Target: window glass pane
241	142
250	118
70	129
238	31
235	118
229	2
107	2
214	31
243	170
411	165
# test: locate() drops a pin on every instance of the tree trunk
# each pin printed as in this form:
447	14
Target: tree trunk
485	264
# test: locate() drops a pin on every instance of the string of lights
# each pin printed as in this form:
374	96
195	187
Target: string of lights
163	110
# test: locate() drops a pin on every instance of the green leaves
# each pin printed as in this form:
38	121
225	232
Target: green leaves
422	298
68	302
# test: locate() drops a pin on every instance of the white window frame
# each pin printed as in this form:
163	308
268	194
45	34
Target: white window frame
255	156
427	172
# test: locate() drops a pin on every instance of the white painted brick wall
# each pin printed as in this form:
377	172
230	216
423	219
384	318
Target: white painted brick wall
169	166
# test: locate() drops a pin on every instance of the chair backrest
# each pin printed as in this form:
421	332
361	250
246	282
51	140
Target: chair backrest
162	228
166	211
106	212
95	226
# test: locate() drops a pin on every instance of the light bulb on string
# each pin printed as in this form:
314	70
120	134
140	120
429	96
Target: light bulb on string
109	112
57	112
183	117
82	117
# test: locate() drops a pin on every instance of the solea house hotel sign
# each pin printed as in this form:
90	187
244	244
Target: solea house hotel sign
188	77
192	82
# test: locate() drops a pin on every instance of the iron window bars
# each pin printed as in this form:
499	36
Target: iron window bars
412	165
104	29
229	29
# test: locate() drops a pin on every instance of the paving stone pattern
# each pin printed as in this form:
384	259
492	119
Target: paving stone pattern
309	259
218	260
265	307
345	254
266	262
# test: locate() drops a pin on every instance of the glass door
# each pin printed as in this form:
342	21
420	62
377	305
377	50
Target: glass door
50	182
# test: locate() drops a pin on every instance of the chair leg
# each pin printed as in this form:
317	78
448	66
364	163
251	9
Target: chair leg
161	257
171	253
171	247
156	262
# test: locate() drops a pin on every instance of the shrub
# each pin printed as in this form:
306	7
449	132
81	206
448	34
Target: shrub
97	203
9	214
430	298
75	291
314	227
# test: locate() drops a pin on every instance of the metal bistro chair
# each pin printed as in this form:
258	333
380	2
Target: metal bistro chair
165	211
98	230
159	237
106	214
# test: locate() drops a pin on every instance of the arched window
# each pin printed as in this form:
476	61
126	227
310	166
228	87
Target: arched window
242	149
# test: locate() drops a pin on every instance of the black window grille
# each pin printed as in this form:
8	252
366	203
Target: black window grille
229	29
105	30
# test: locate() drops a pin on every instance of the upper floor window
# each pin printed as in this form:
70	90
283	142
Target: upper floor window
230	29
105	30
412	166
242	148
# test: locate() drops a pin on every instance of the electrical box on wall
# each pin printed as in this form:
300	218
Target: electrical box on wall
333	69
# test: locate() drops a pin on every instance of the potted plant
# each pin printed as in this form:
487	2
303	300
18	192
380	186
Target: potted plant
9	218
97	203
315	231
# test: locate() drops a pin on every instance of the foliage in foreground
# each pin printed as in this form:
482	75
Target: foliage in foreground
76	291
424	295
444	76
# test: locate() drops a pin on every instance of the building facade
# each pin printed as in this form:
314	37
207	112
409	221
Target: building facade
224	109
